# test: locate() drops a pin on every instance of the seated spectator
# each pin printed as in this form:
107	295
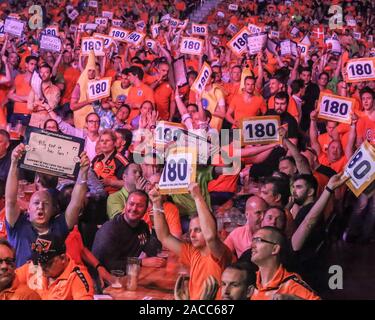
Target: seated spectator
10	287
61	278
127	235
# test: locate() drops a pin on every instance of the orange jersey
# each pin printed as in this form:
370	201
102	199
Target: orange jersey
366	129
231	90
137	95
338	165
283	282
71	76
74	283
201	267
243	109
23	88
163	97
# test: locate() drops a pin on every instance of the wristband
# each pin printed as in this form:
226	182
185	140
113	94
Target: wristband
81	181
329	190
98	265
158	210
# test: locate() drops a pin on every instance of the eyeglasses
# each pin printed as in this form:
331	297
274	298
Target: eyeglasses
93	121
9	261
258	240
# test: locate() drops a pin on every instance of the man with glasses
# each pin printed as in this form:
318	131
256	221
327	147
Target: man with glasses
53	273
273	280
10	287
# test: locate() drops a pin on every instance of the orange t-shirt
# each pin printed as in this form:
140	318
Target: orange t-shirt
366	129
280	284
3	230
338	165
74	245
23	88
324	140
243	109
71	76
201	267
137	95
163	97
231	90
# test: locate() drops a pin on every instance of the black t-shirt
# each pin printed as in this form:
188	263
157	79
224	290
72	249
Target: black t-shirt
311	95
116	240
4	166
286	118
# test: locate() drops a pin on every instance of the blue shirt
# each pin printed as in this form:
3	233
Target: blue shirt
22	235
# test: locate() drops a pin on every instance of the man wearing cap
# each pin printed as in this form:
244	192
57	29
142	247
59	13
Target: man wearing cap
10	287
42	216
53	273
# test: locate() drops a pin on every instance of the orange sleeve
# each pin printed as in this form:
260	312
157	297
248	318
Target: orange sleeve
292	108
185	254
172	216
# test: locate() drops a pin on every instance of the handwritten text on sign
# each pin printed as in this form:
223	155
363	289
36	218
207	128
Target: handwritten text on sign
179	171
256	43
52	153
261	130
361	168
335	108
91	43
14	27
360	70
238	44
50	43
201	81
191	45
99	89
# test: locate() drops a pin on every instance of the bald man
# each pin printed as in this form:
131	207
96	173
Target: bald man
42	216
239	240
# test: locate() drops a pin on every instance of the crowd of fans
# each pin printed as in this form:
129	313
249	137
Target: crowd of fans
261	232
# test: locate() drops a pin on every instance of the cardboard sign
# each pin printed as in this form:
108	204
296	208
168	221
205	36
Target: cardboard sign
215	41
73	15
107	39
271	46
118	34
183	24
179	171
166	132
333	45
199	29
359	70
92	43
190	45
155	30
288	47
140	25
357	35
101	21
73	28
14	27
107	14
174	23
254	29
294	32
180	72
238	44
50	43
200	82
51	31
52	153
90	26
361	169
151	44
233	7
261	130
117	22
135	38
256	43
2	34
335	108
231	29
99	89
304	49
274	34
93	4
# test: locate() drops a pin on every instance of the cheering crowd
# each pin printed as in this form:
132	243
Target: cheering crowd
260	231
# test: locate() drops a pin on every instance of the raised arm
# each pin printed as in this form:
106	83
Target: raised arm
78	193
304	230
160	224
8	76
313	131
186	119
12	210
56	65
259	81
352	137
302	164
207	222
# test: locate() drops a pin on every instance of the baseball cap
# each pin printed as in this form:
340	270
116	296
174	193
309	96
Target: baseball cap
47	247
